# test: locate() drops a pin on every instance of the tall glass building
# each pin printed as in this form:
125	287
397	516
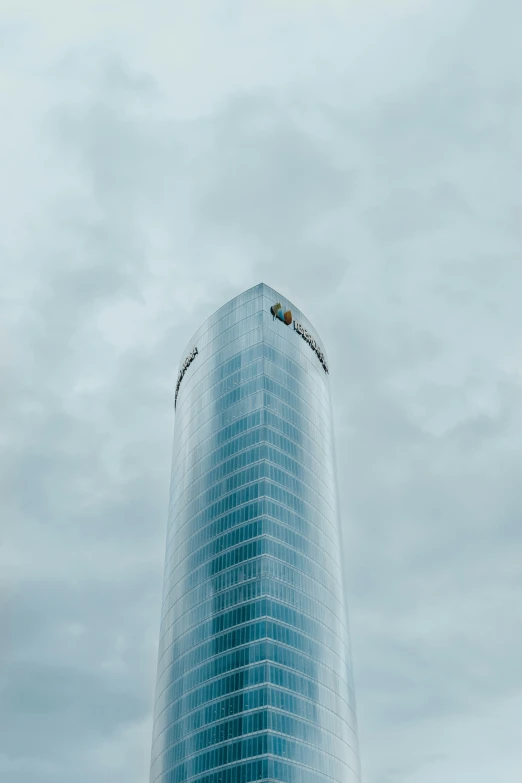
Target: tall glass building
254	668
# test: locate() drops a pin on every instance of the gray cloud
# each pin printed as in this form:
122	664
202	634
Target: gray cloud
380	195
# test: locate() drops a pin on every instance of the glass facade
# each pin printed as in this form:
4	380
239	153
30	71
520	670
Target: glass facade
254	667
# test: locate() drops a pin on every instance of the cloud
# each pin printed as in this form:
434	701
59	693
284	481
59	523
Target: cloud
367	169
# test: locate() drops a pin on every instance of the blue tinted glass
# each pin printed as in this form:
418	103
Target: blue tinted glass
254	667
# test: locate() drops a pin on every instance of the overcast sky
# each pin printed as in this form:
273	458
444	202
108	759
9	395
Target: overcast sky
364	158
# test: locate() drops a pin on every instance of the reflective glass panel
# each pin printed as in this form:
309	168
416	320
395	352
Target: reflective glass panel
254	667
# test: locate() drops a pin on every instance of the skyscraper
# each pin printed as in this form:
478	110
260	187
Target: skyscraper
254	668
